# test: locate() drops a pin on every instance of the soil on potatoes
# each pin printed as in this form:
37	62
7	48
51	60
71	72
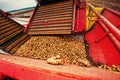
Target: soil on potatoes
113	4
69	47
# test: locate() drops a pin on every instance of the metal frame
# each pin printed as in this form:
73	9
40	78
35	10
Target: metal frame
109	28
79	16
30	69
104	44
109	24
31	17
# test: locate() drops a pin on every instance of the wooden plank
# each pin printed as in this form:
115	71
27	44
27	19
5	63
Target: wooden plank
13	50
1	17
6	26
7	29
50	32
8	33
4	20
51	25
55	19
8	42
51	22
48	14
54	9
13	44
49	28
61	13
55	5
57	13
10	36
5	23
55	16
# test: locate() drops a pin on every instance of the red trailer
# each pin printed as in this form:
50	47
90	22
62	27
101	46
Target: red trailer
100	27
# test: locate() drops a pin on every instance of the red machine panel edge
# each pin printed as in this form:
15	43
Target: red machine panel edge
79	18
21	69
33	13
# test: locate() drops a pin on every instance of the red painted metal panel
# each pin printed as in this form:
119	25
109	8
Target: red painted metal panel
74	15
24	73
111	35
80	17
113	16
101	49
103	40
109	25
0	76
30	69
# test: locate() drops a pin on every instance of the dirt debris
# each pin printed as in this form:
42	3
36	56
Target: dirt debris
110	68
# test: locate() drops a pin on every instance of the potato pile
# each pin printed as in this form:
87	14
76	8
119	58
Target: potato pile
112	68
113	4
70	48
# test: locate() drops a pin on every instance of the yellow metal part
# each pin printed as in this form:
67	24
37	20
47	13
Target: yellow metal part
91	17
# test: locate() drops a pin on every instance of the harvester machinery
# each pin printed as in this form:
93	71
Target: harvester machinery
100	27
